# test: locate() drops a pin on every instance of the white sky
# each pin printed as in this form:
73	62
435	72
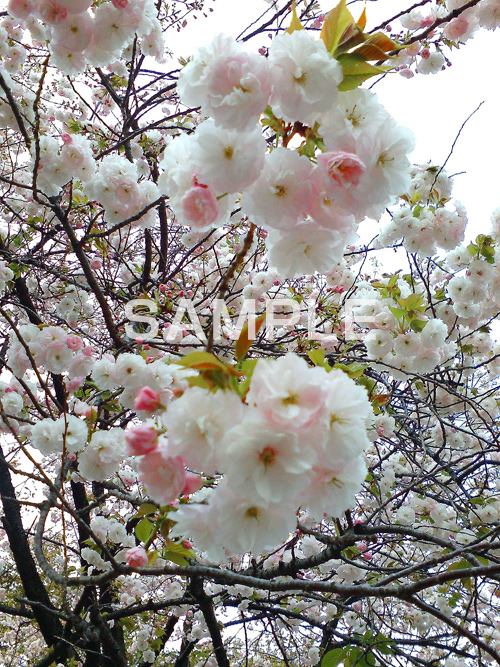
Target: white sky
433	106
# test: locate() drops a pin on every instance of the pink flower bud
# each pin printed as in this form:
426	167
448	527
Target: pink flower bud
136	557
74	342
120	4
317	22
67	138
407	73
88	351
141	440
147	399
71	456
191	484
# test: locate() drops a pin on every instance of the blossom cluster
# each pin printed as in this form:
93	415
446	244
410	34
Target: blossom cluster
297	441
50	347
426	225
58	165
79	37
308	204
426	56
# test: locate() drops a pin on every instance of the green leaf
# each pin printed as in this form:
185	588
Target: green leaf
17	271
203	361
145	510
143	530
418	325
367	660
487	251
247	367
392	281
317	356
174	557
354	370
198	381
356	70
473	249
177	548
335	24
353	657
367	383
414	301
244	342
377	46
461	565
398	313
152	557
383	644
334	657
127	623
295	24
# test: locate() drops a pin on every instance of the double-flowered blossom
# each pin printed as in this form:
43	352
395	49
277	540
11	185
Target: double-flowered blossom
296	441
313	201
305	77
65	433
79	33
231	85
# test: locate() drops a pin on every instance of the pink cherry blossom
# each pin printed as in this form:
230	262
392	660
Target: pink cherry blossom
199	206
147	400
287	392
74	342
52	12
163	475
20	9
456	28
76	6
120	4
141	440
192	484
136	557
74	384
344	169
